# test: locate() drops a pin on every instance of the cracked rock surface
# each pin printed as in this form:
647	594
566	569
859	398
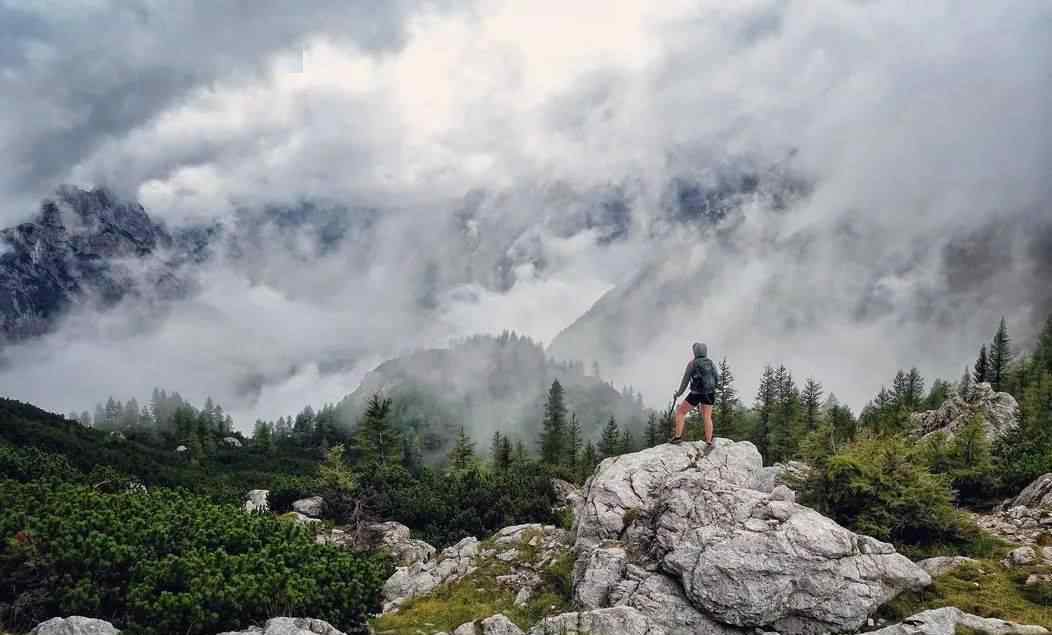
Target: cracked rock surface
700	543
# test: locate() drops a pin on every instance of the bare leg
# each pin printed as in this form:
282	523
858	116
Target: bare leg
706	411
681	418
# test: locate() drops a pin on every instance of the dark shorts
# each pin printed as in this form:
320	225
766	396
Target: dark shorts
703	398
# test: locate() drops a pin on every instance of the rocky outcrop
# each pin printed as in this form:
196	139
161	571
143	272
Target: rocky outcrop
394	539
620	620
1036	495
75	625
568	496
313	506
946	621
699	542
290	626
1021	525
257	501
496	625
997	409
941	565
420	578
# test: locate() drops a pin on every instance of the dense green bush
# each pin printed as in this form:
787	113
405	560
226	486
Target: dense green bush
169	562
880	487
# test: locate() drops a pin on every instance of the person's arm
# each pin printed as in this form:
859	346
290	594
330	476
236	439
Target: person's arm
686	379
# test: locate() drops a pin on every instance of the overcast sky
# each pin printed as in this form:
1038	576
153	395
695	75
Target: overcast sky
920	129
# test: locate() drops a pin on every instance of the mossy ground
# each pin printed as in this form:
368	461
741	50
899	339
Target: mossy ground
479	596
987	589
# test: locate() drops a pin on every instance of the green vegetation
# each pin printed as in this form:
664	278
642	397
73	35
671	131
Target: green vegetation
986	589
168	561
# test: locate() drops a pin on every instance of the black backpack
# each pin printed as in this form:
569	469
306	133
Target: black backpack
703	377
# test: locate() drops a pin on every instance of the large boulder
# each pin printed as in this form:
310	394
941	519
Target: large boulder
1036	495
257	501
290	626
313	506
232	442
998	410
420	578
695	544
394	539
941	565
75	625
620	620
947	621
496	625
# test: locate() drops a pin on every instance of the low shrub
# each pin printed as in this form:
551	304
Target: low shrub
169	562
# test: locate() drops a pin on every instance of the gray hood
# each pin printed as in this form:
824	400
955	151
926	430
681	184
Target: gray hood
700	350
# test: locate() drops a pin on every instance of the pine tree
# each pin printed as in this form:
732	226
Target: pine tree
503	458
725	411
982	367
940	390
610	442
900	388
262	434
573	443
553	435
964	386
764	406
811	400
1000	357
521	455
589	459
914	389
377	440
784	432
1043	354
628	442
462	456
651	438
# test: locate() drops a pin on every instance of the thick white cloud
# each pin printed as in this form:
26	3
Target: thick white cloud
915	126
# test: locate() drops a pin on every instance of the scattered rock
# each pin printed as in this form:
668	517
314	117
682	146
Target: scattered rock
256	501
291	626
942	565
1036	495
232	442
620	620
182	448
301	519
1017	524
1038	578
420	578
313	506
672	527
1020	557
75	625
997	409
118	436
945	621
496	625
522	598
394	538
135	487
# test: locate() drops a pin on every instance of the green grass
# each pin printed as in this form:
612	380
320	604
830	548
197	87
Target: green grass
479	596
986	589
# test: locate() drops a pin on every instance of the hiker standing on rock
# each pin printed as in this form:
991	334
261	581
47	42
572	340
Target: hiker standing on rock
701	375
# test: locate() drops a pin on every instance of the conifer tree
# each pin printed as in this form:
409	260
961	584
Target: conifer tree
914	389
628	442
651	438
982	367
1043	354
462	456
263	436
573	443
377	440
503	459
521	455
964	386
495	446
725	411
764	407
811	400
610	442
589	459
1000	357
553	434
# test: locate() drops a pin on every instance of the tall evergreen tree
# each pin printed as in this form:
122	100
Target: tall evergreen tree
651	438
573	443
914	389
610	442
964	386
725	410
589	459
263	436
982	367
1000	357
553	434
764	407
900	388
377	440
504	455
1043	353
495	446
628	442
462	456
811	400
521	455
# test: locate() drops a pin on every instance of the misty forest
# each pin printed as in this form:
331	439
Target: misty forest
346	317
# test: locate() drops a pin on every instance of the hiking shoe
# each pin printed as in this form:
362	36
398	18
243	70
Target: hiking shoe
675	440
